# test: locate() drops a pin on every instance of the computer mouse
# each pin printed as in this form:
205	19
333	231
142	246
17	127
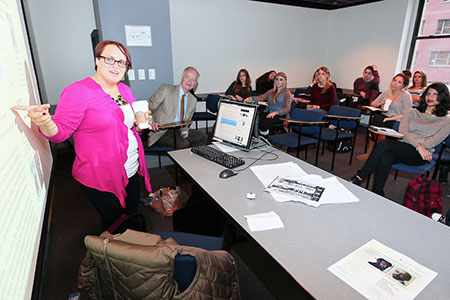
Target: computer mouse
227	173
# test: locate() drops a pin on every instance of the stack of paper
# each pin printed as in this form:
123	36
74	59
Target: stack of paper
288	182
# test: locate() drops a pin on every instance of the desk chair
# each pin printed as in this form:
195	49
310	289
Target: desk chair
343	118
303	123
163	149
442	156
438	152
124	269
185	267
212	103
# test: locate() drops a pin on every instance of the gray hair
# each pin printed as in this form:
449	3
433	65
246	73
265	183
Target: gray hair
190	68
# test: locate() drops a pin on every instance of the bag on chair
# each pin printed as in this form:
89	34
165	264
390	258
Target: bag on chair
424	196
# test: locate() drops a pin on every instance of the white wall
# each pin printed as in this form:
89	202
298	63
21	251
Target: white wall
220	37
369	34
61	30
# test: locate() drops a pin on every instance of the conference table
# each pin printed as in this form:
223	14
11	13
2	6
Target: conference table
313	239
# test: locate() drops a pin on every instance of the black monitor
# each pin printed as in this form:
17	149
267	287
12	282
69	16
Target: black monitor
235	123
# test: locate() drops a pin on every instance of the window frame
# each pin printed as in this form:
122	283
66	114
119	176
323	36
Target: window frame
416	37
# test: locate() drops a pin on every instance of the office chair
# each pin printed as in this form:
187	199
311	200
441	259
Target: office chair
343	118
212	102
442	156
438	152
133	265
303	123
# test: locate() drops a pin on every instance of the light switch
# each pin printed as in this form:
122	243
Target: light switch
151	74
141	73
131	74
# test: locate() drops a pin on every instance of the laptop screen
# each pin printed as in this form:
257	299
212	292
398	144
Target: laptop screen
235	123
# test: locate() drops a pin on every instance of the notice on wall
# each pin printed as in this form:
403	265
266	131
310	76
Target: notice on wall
138	35
378	272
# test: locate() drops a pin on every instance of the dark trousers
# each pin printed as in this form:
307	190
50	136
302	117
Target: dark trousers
108	205
378	121
266	123
195	138
386	153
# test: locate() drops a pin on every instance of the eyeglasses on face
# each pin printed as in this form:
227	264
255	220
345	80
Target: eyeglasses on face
111	61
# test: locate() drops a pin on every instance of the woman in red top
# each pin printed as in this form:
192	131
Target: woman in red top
323	93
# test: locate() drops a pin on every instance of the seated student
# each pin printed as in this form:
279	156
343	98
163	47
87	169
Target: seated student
422	129
366	87
173	103
323	92
400	105
265	82
279	101
400	102
419	84
241	88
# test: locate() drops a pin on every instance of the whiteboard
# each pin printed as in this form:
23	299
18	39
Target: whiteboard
25	159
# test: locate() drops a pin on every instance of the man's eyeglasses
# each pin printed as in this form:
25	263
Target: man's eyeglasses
110	61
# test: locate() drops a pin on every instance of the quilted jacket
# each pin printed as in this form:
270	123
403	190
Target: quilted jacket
137	265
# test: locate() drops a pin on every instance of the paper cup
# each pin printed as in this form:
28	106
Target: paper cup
387	104
141	113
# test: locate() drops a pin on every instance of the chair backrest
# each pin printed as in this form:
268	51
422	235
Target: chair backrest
300	114
346	112
299	91
212	103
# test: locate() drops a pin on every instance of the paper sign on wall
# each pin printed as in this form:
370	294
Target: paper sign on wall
137	35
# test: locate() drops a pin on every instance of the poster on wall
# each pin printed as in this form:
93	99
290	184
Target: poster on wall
138	35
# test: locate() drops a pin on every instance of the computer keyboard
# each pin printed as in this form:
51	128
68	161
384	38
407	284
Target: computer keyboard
217	156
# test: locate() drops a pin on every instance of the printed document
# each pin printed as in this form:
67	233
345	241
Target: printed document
378	272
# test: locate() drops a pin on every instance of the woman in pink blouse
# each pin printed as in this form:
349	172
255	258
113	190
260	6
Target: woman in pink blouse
97	112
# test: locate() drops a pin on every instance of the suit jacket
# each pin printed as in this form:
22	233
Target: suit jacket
163	104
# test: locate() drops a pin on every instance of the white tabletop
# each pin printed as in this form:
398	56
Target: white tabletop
315	238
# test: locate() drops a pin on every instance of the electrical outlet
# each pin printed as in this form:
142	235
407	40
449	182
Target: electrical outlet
151	74
131	74
141	73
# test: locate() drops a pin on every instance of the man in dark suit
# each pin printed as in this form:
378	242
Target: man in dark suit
173	103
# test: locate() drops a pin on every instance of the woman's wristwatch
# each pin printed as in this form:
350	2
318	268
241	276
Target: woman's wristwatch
417	147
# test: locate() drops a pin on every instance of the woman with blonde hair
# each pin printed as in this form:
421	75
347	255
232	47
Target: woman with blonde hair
241	88
323	92
419	84
278	100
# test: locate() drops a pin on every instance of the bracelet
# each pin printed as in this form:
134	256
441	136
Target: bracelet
417	147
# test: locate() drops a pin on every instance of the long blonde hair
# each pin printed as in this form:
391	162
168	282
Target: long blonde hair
277	91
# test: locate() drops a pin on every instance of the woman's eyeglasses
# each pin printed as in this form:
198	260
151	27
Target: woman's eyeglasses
110	61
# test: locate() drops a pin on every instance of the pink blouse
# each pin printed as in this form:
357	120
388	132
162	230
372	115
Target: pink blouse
96	123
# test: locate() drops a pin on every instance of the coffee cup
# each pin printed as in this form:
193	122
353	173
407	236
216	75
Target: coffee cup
141	113
387	103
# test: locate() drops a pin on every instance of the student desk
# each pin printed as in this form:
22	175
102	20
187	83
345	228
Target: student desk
315	238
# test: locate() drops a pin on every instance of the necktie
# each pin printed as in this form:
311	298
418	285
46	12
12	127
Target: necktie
182	108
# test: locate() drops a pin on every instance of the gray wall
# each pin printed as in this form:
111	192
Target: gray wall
60	36
111	18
